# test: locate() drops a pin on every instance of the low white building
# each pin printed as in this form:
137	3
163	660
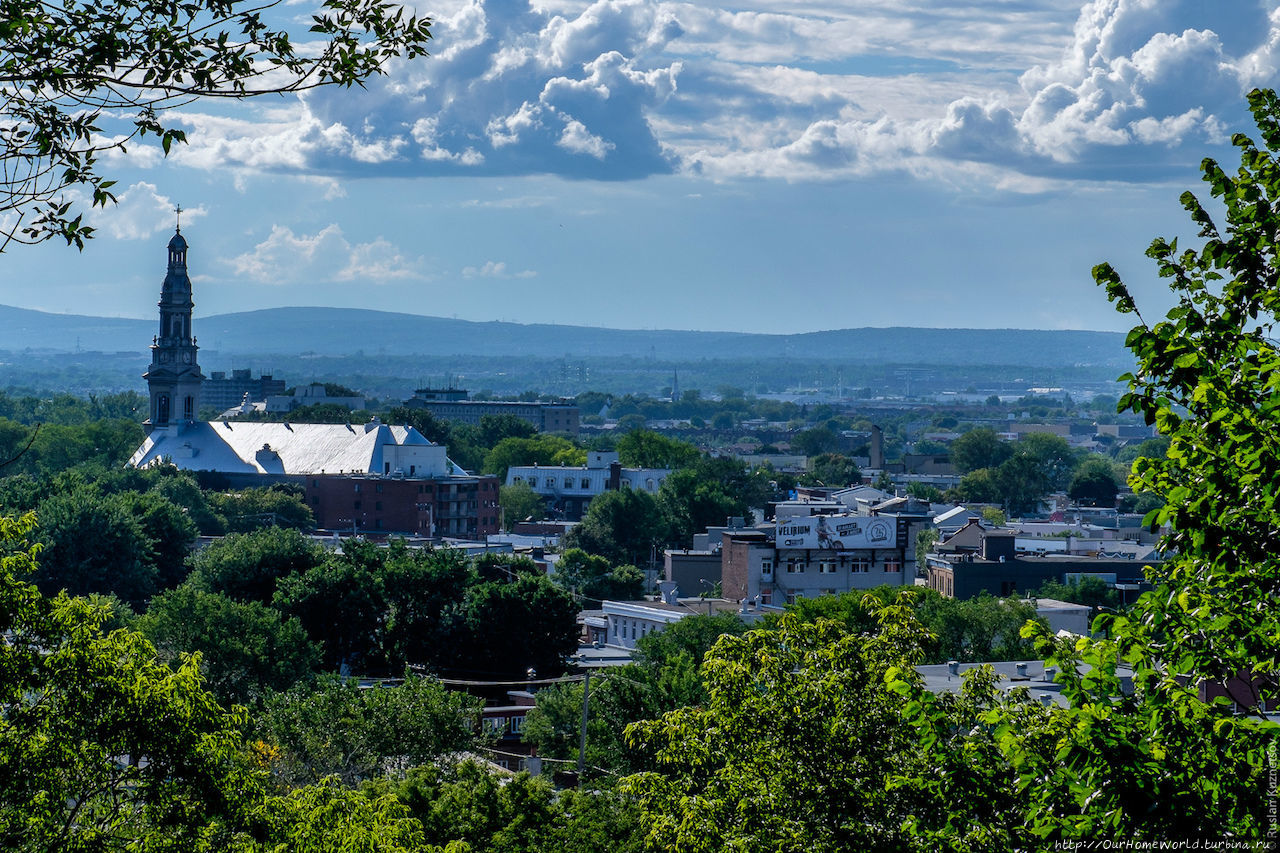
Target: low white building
567	490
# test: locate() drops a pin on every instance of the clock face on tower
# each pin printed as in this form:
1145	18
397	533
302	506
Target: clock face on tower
186	358
165	356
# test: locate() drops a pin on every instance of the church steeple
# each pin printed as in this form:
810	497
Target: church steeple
174	377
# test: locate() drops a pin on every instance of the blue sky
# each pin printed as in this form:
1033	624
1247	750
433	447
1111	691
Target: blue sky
770	165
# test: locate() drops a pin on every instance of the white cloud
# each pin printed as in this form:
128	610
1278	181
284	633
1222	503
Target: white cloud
140	212
578	139
327	255
830	89
495	269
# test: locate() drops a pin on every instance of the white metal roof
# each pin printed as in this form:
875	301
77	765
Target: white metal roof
277	448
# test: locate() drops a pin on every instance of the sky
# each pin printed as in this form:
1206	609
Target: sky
770	166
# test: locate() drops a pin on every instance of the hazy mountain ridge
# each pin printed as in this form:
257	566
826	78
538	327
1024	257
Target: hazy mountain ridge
341	331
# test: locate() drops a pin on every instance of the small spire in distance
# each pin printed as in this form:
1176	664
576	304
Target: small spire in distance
178	212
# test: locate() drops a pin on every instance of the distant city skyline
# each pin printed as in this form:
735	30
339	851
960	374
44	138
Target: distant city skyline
762	167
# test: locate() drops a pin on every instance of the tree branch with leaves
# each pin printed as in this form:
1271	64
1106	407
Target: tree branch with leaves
68	67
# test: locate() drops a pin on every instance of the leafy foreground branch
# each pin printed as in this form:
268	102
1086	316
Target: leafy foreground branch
79	79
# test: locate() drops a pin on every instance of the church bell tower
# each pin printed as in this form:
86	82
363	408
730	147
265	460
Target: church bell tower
174	377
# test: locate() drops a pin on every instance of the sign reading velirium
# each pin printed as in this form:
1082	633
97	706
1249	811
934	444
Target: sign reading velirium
836	533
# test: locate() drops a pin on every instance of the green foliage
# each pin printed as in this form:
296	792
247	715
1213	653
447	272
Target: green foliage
979	448
246	649
332	727
376	610
926	538
1023	483
538	450
621	526
1206	380
78	700
468	806
1148	760
977	629
510	626
329	818
979	486
833	469
169	533
690	504
663	677
91	544
340	603
595	579
794	748
250	509
68	77
816	441
247	566
494	428
1055	458
647	449
1085	589
993	517
924	492
1094	483
519	502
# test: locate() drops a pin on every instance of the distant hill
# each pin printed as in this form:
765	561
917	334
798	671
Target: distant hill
341	331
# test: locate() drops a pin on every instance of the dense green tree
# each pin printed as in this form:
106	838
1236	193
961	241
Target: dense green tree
93	543
647	449
422	594
1094	483
1023	483
513	625
519	502
1152	448
983	628
432	428
979	448
834	469
816	441
979	486
663	677
794	748
594	579
333	727
341	604
169	533
494	428
691	504
466	804
246	649
993	516
328	817
182	489
247	566
978	629
1145	758
1085	589
250	509
539	450
924	491
1055	458
77	699
621	526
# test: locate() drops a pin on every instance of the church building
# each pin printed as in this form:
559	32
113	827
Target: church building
174	378
418	489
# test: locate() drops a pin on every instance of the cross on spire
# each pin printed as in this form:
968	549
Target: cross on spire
178	212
